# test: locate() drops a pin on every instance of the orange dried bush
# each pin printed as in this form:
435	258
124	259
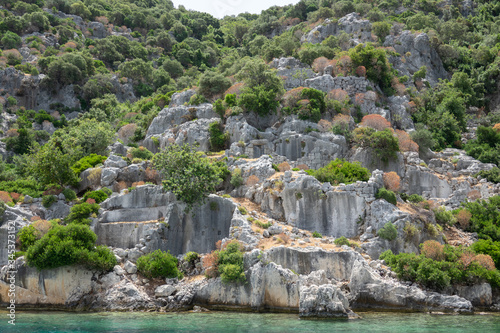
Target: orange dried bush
12	53
496	127
285	239
433	249
319	64
42	226
463	218
70	44
343	65
130	115
375	121
252	180
391	181
5	197
35	218
291	97
152	175
405	142
126	131
235	89
474	195
15	196
282	167
12	133
324	125
338	95
121	185
361	71
103	19
486	261
302	167
218	244
135	184
90	201
467	258
209	262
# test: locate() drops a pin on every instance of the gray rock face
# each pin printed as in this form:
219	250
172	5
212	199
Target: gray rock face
292	71
369	160
117	149
478	294
418	52
351	24
334	213
109	175
426	184
336	265
369	290
13	219
114	161
181	98
165	290
399	115
267	287
130	267
325	301
351	84
179	231
98	30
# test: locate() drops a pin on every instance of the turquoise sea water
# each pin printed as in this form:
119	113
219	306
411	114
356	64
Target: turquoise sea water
221	322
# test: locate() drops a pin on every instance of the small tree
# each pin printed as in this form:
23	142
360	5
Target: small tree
188	175
213	84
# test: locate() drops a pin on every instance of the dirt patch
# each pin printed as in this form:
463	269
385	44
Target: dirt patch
458	237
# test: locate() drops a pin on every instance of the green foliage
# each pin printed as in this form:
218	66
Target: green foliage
375	61
489	247
27	236
69	245
190	177
485	218
158	264
423	137
217	138
439	274
48	200
87	162
384	143
242	210
415	198
444	216
212	84
340	171
492	175
69	194
387	195
23	186
420	74
191	257
388	231
141	152
230	263
485	146
11	40
79	214
381	30
342	241
236	177
316	234
99	196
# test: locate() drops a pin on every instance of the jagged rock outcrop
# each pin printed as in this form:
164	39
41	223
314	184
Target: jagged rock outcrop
351	84
293	72
369	160
13	219
153	215
351	24
324	301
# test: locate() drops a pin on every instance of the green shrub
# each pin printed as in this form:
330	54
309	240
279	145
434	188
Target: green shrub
79	214
191	257
27	237
387	195
388	231
492	175
489	247
141	152
190	177
485	215
242	210
2	208
263	225
415	198
384	143
99	196
236	178
316	234
340	171
342	241
444	216
158	264
69	245
230	263
23	186
88	162
69	194
48	200
484	147
217	138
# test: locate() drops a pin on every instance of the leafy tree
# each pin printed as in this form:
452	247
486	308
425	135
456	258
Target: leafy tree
137	69
11	40
340	171
173	67
91	135
212	83
375	61
381	30
190	177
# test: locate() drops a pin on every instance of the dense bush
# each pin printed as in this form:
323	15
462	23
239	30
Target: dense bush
69	194
217	138
492	175
190	177
384	143
48	200
99	196
342	241
87	162
387	195
457	267
236	177
80	213
27	236
340	171
69	245
388	231
485	217
158	264
23	186
230	263
444	216
489	247
141	152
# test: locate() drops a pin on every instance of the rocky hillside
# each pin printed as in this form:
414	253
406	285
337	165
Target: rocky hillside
320	158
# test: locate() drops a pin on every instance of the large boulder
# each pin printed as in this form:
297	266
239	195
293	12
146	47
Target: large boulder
324	301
